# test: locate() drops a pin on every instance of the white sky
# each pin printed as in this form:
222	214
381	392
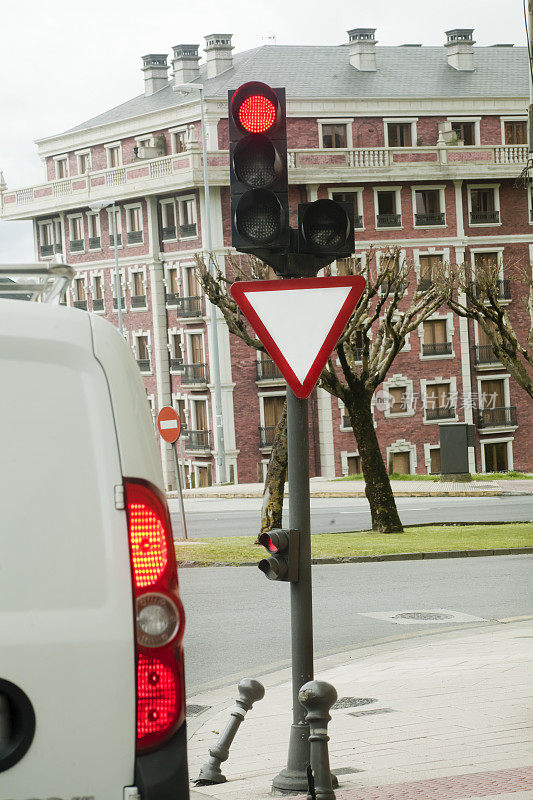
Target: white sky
62	62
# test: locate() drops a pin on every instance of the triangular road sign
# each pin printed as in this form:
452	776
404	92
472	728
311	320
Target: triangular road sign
299	321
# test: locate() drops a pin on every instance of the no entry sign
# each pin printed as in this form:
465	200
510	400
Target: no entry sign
169	424
299	321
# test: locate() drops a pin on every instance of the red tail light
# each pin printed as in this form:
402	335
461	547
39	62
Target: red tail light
159	616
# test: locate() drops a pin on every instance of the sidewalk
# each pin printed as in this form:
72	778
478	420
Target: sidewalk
321	487
440	716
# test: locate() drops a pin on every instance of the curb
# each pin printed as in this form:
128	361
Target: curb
501	551
248	495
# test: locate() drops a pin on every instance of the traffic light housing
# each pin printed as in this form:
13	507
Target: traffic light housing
326	228
258	168
283	547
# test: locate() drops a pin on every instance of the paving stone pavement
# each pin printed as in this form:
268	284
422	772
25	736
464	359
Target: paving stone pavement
455	721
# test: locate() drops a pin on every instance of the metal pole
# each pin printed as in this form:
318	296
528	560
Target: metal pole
117	273
215	363
180	493
294	776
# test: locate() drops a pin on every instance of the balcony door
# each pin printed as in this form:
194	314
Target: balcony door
200	409
193	284
273	407
196	348
492	394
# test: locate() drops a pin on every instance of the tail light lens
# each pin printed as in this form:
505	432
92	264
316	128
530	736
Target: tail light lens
159	616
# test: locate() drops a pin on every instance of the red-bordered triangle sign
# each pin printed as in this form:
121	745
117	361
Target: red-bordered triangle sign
299	321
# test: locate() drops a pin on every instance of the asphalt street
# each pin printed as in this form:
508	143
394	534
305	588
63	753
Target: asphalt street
238	621
240	517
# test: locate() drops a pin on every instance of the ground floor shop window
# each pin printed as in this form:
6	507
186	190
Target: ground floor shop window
496	459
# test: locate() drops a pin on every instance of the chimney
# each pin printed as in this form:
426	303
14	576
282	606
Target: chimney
460	49
218	53
185	63
363	49
155	70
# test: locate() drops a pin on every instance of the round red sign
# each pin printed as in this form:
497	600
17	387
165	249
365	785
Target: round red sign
169	424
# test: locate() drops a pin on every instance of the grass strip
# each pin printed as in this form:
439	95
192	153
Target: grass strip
482	476
240	549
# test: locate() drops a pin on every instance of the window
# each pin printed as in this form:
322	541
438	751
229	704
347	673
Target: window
349	266
496	456
176	346
79	289
486	261
428	207
179	141
436	338
205	476
397	404
58	235
200	415
354	465
430	266
93	222
118	224
400	463
399	134
439	403
138	299
172	280
356	198
196	348
484	205
334	135
388	208
482	200
113	156
138	287
465	131
515	132
192	283
134	222
77	243
84	162
168	220
272	410
142	347
46	240
98	288
434	456
187	217
61	167
179	405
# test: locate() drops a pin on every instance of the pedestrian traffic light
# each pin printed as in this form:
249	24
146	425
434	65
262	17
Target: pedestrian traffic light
326	228
258	168
283	546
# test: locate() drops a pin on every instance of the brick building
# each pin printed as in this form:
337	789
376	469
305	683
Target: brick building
426	141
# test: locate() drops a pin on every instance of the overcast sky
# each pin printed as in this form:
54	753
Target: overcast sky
62	62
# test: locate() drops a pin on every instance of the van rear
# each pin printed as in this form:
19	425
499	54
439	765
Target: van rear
92	695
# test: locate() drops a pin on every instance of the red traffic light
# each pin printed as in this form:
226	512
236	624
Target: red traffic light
254	107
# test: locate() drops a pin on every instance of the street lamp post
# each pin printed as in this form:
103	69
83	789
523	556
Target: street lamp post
99	207
187	88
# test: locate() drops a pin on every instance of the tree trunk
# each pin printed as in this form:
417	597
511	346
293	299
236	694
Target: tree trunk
272	509
384	513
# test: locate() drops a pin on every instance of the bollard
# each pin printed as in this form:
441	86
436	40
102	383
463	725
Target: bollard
317	697
249	692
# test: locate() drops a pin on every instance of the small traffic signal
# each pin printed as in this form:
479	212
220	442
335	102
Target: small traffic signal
258	168
326	228
283	546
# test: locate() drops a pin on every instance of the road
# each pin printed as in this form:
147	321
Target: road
238	622
221	517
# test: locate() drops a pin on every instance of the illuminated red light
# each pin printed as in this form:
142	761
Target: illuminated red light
158	698
149	553
257	114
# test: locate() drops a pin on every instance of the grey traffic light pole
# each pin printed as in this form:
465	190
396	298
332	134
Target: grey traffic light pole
294	776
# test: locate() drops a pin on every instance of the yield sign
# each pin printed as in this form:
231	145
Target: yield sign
299	321
169	424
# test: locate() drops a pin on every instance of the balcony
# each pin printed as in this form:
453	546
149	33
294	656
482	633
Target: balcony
176	365
112	240
135	237
144	364
122	304
138	301
443	412
187	231
194	374
484	354
187	306
77	245
426	220
389	221
47	250
502	417
98	304
94	242
267	370
197	440
437	349
168	233
267	436
80	304
309	165
484	217
503	290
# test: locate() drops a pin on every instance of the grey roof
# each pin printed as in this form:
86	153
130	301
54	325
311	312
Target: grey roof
325	72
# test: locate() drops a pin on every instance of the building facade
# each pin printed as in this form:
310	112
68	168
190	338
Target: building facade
427	142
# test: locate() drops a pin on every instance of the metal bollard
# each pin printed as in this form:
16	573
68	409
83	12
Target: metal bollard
317	697
249	692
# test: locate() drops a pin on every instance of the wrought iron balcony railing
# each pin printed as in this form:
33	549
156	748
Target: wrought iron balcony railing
169	232
187	306
484	217
135	237
484	354
47	250
267	435
98	304
188	230
94	242
443	412
437	349
144	364
80	304
112	240
430	219
503	289
122	303
389	220
76	245
197	440
176	364
138	301
358	221
424	284
500	417
267	370
194	373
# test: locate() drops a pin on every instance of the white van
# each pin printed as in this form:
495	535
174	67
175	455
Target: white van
92	694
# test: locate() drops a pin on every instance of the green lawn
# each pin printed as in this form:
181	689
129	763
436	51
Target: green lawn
239	549
482	476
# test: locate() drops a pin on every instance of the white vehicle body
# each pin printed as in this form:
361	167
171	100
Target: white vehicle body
74	424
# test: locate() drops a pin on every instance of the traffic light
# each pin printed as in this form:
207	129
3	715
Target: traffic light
258	168
283	546
326	228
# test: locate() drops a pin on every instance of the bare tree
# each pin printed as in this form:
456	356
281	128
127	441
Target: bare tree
484	301
387	312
